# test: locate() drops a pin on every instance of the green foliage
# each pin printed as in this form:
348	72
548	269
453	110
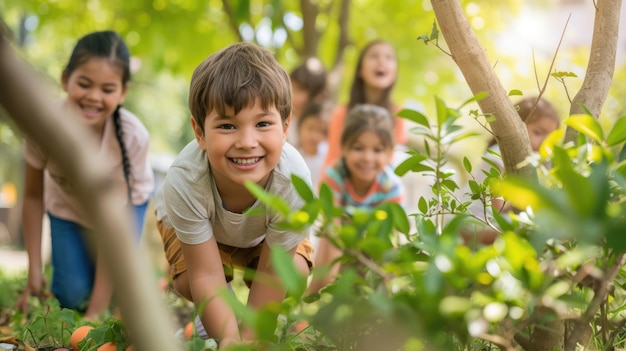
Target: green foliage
110	330
10	290
432	289
49	326
286	270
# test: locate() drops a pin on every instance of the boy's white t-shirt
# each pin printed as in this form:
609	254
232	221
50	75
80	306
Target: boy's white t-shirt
188	201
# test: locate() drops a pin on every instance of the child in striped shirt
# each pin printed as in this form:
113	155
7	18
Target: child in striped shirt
362	178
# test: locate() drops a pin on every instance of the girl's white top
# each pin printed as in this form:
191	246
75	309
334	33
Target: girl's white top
59	195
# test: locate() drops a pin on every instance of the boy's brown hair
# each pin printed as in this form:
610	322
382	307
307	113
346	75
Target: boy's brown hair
235	77
311	75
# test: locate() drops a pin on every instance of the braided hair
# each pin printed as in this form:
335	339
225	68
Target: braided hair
119	133
109	45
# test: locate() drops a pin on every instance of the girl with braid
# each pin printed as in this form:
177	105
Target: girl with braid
96	81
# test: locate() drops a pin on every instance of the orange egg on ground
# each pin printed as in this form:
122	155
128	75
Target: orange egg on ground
189	328
78	335
109	346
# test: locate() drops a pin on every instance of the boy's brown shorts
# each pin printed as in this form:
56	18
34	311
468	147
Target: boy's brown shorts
231	256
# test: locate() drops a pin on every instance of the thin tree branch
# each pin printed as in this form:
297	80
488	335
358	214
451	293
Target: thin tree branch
231	19
503	343
310	35
542	90
600	294
599	73
290	38
334	76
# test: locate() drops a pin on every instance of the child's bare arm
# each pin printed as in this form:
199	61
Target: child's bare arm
327	253
207	282
101	293
33	210
266	286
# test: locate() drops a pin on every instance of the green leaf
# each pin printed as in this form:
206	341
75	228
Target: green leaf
349	236
475	187
266	321
467	164
242	11
442	111
414	116
434	33
515	92
400	218
374	247
302	188
578	188
622	154
558	289
412	163
522	258
273	202
423	37
245	314
433	279
69	316
450	184
523	193
587	125
286	269
617	133
454	306
615	236
477	97
563	74
422	205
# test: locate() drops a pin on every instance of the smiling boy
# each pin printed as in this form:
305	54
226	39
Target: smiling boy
240	101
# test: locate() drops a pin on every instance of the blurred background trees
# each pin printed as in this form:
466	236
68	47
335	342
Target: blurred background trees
169	38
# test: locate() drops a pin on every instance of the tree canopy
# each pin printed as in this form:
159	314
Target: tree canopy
169	38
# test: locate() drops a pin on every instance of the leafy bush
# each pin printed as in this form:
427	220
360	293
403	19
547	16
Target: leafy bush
555	265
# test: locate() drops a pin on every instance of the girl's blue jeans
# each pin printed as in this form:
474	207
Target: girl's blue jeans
73	267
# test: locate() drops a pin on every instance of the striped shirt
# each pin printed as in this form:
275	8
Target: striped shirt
387	187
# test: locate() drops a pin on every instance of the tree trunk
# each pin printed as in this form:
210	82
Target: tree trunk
336	72
549	335
470	57
310	34
599	74
511	133
31	107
